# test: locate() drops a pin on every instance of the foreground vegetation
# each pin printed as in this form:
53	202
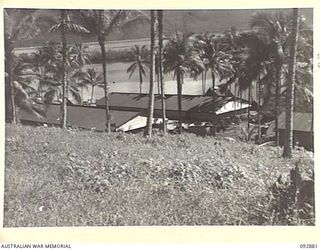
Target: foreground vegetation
57	177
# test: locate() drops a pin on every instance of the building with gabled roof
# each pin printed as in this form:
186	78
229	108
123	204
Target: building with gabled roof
129	112
302	129
194	107
85	117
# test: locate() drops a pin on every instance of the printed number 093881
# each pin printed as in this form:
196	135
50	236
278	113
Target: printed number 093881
308	245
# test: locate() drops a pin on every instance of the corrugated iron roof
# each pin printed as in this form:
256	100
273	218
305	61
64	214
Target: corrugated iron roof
189	102
82	117
301	121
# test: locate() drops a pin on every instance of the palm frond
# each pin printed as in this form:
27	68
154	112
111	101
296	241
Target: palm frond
49	96
68	26
24	102
55	27
132	67
137	18
75	93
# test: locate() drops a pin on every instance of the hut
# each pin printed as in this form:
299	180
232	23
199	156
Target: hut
302	130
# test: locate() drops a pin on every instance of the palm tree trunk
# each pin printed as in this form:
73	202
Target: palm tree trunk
214	117
236	95
287	150
235	91
277	95
13	104
12	113
179	92
82	93
140	78
294	100
92	90
202	82
148	131
101	40
163	97
158	82
205	81
105	83
64	77
248	114
240	95
258	108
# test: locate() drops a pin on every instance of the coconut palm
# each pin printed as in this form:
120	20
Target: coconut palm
255	67
140	63
303	86
50	53
44	63
216	59
303	94
19	25
92	78
274	29
23	101
44	78
180	58
79	83
22	78
290	92
41	58
160	70
265	56
64	25
70	70
101	23
54	88
148	131
79	54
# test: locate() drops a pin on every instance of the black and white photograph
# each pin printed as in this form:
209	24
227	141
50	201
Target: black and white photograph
161	117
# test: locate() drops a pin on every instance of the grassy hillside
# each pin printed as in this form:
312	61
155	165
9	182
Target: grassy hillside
79	178
182	20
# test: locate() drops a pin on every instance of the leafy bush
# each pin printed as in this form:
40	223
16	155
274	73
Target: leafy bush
292	201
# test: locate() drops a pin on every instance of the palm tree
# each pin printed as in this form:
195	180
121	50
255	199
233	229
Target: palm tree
43	77
180	58
41	58
265	57
140	63
91	77
79	54
23	101
44	66
22	73
79	83
273	27
65	24
287	150
254	66
160	70
70	70
217	60
19	25
148	131
101	23
303	89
